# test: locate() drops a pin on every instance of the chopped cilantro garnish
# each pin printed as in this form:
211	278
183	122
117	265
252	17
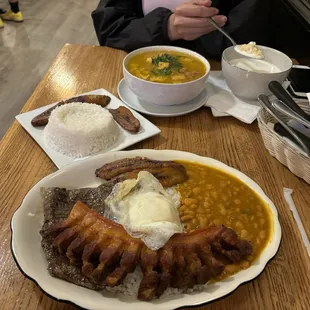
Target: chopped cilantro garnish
165	71
174	64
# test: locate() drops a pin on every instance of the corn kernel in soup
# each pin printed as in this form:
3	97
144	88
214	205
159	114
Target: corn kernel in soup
166	67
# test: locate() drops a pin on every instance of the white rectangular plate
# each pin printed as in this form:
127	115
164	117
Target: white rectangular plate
126	138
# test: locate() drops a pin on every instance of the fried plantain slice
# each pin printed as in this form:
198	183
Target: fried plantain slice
126	119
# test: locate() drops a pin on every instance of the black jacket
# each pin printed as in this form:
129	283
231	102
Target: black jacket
121	24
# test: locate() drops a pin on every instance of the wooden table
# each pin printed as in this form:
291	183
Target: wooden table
285	283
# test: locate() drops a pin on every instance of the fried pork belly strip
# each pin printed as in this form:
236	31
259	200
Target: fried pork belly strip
169	173
42	119
106	253
102	247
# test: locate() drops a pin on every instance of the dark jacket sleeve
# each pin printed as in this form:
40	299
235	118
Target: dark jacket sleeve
121	24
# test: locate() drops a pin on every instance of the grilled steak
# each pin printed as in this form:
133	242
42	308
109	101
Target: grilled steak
57	205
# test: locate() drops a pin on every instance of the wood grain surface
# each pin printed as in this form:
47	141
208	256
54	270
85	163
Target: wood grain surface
285	283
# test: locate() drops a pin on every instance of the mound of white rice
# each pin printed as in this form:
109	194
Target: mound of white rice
130	287
80	129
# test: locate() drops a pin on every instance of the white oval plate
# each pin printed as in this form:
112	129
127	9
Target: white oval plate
132	101
27	221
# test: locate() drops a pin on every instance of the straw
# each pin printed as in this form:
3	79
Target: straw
288	197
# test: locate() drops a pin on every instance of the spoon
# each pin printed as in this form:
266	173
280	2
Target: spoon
215	25
237	47
256	54
277	89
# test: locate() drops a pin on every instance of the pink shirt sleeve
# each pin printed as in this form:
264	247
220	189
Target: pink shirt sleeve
150	5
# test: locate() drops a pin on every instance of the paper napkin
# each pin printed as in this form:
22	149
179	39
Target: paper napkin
223	102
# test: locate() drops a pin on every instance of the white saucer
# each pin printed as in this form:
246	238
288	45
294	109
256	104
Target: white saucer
131	100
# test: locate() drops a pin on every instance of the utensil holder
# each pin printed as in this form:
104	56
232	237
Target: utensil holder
289	156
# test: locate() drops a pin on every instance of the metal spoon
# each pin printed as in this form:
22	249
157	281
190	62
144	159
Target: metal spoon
234	43
277	89
215	25
281	107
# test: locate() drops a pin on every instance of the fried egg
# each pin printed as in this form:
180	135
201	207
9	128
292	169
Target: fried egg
145	209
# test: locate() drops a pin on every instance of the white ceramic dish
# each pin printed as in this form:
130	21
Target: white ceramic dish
249	85
132	101
26	247
125	139
161	93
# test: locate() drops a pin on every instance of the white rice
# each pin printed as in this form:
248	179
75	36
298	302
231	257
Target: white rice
80	129
130	287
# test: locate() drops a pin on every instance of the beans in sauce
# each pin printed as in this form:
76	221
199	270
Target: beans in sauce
212	197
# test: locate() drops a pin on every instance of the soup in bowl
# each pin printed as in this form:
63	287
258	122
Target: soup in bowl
166	67
165	75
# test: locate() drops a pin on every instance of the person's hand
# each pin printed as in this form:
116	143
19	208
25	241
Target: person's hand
189	22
